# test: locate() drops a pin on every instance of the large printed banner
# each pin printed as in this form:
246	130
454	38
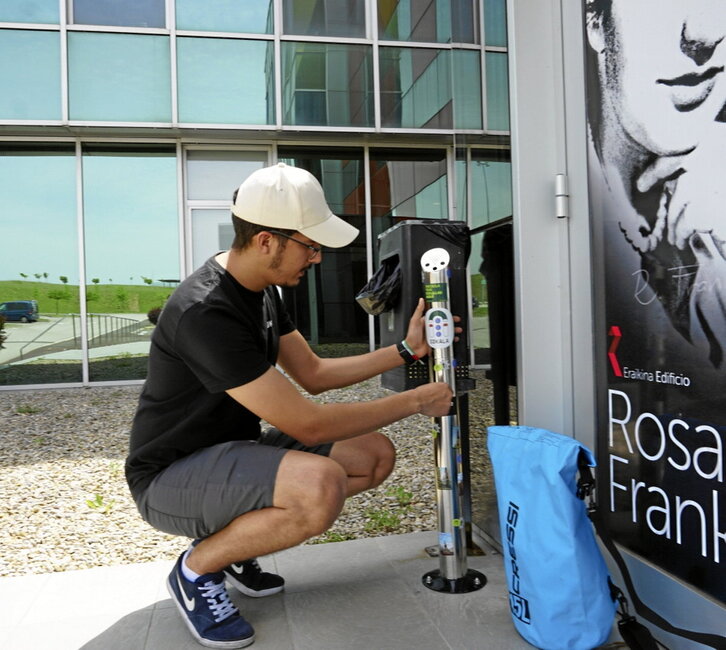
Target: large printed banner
656	84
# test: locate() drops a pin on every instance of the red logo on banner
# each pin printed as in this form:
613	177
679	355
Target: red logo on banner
615	333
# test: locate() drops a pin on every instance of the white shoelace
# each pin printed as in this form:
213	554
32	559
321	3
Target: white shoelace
253	563
218	598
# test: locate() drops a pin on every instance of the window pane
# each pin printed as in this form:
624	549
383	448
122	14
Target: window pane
38	195
22	11
497	92
415	88
491	189
441	21
225	16
327	84
132	252
467	89
215	175
490	175
324	18
323	306
119	77
211	88
129	13
212	231
495	22
407	185
31	85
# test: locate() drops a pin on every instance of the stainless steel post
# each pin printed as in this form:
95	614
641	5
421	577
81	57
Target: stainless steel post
452	576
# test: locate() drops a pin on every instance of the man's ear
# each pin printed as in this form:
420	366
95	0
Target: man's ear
263	242
593	23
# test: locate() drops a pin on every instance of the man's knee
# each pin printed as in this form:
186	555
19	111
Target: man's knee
383	458
312	488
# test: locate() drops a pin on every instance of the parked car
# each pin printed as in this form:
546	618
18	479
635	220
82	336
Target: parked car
26	311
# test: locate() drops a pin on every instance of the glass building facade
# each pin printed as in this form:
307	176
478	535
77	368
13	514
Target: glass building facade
125	128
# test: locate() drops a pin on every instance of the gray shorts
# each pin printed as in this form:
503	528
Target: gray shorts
200	494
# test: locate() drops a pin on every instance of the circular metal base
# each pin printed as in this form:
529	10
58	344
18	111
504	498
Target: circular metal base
472	581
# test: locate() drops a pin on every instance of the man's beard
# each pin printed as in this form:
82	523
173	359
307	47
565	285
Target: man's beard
276	260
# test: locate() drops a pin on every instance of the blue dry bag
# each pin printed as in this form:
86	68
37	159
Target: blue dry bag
559	588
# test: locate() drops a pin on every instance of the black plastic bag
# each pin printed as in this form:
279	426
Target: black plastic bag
381	292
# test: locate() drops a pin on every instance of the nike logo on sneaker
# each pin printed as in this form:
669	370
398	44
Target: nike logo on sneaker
188	602
239	568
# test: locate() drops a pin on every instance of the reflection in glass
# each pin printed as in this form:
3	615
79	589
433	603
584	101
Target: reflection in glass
119	77
497	92
215	175
39	262
407	184
495	23
212	231
491	187
225	16
31	84
327	84
323	306
437	21
132	252
461	181
467	89
22	11
324	18
415	88
490	176
211	88
129	13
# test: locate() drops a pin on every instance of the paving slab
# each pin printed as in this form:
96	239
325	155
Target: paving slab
353	595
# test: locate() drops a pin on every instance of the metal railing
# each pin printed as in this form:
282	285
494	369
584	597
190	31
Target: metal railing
76	341
103	329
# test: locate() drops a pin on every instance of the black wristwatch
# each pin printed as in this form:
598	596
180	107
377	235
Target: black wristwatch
407	354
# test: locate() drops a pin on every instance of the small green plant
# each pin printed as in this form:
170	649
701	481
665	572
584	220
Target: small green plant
401	494
27	409
100	505
389	520
116	468
385	521
332	536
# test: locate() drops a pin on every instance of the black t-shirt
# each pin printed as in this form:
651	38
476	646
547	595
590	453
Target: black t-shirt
212	335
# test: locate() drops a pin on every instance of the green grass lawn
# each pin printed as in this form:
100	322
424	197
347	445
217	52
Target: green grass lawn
56	298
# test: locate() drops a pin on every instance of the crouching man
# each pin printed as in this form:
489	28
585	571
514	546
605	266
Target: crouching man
199	464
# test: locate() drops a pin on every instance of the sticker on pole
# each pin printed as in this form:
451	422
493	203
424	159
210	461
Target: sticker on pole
439	327
438	292
435	259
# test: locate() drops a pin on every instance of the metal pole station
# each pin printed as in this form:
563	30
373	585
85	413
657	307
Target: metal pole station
452	576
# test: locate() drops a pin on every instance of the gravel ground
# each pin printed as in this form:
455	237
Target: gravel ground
65	502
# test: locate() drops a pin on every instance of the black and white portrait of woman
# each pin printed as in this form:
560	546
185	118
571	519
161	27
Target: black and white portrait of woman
657	127
656	116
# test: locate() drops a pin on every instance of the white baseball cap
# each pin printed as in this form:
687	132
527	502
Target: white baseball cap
291	198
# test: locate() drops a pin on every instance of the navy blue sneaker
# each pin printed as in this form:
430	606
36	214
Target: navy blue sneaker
208	612
249	578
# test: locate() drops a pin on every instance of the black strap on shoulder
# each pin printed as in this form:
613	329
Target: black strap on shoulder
636	635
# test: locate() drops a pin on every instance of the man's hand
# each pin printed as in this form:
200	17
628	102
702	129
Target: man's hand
434	399
416	334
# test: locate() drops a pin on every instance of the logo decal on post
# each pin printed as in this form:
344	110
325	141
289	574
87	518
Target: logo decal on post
615	333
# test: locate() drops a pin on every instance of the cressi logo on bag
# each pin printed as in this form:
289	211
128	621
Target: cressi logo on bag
517	603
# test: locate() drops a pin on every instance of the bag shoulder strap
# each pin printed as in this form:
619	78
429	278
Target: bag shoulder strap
629	628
